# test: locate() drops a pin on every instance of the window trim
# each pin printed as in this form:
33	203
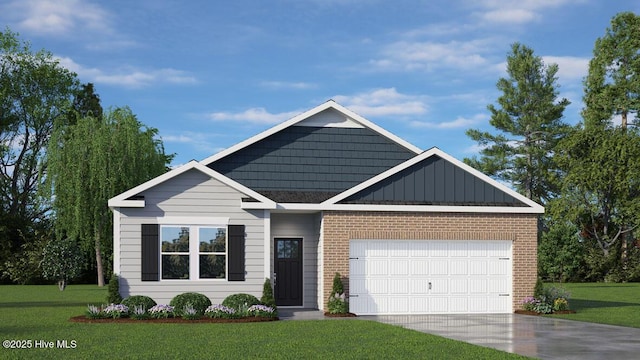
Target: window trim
194	251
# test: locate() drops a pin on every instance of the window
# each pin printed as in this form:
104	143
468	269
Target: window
193	252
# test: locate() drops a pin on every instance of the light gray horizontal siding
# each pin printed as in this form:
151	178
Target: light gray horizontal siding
307	227
191	194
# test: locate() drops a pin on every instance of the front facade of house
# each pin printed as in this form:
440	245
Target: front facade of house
410	231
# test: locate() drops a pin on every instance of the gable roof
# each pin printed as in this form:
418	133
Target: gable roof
127	198
313	156
457	185
351	118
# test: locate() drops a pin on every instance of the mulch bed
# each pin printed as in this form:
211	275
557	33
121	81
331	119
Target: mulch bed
527	312
328	314
204	320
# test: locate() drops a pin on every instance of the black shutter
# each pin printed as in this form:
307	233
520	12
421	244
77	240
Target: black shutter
236	253
150	252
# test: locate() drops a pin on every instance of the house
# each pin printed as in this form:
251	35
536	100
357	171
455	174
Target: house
328	191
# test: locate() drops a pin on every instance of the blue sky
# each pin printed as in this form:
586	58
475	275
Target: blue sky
209	74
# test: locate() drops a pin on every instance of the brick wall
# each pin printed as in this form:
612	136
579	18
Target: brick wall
342	226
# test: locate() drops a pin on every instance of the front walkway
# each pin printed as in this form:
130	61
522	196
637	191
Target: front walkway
534	336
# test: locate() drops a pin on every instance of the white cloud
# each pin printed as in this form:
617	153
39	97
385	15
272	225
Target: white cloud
459	122
287	85
128	77
384	102
254	116
500	12
570	68
58	17
431	55
202	142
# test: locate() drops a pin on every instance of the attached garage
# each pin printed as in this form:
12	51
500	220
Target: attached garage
430	276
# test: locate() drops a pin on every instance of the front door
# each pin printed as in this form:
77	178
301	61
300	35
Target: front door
288	271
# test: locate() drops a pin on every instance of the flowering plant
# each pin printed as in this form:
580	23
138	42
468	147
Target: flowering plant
190	313
529	303
560	304
139	313
94	312
116	311
161	311
220	312
261	310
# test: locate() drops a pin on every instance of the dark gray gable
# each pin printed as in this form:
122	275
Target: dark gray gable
300	160
433	181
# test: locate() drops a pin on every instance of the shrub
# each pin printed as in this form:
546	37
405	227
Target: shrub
220	312
337	303
113	296
139	300
529	303
198	301
267	294
240	302
161	311
538	289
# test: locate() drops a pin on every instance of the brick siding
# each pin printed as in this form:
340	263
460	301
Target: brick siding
342	226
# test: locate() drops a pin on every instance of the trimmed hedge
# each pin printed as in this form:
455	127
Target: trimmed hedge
199	302
240	301
139	300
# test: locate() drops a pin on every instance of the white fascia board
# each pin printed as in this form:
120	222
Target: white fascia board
533	206
252	205
412	208
303	116
121	200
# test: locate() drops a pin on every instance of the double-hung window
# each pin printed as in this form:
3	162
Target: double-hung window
193	252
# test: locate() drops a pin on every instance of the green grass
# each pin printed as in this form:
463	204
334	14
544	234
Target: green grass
43	312
605	303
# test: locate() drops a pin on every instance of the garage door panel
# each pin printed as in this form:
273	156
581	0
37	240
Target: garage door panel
426	276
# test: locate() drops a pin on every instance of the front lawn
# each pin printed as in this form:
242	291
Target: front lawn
605	303
41	314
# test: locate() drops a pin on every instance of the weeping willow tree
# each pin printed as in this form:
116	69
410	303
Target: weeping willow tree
89	163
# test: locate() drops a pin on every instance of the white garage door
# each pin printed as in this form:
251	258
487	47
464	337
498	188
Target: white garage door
429	277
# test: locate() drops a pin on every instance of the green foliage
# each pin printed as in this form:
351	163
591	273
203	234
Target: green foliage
198	301
92	161
35	91
337	302
561	254
139	300
538	289
113	289
62	260
601	189
267	294
612	84
240	302
24	266
528	123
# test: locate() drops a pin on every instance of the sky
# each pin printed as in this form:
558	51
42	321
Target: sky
209	74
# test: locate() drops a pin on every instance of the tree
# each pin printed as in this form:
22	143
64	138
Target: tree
560	253
35	93
62	260
601	189
85	103
92	161
612	86
529	126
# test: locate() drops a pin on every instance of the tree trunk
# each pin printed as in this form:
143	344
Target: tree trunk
62	284
99	262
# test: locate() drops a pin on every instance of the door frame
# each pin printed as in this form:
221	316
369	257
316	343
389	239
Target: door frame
300	240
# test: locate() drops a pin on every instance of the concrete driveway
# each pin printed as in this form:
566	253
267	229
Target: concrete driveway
534	336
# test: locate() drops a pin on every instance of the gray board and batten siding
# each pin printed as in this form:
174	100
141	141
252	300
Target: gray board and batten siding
189	196
324	160
433	181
